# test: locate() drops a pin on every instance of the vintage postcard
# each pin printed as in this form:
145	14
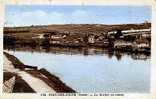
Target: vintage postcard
79	49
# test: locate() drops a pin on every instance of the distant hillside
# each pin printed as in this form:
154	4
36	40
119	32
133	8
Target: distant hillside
75	28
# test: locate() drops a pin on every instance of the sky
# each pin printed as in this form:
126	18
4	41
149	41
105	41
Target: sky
25	15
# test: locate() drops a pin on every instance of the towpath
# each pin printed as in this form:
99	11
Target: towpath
35	83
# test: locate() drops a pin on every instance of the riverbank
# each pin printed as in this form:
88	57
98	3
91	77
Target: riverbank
29	79
124	37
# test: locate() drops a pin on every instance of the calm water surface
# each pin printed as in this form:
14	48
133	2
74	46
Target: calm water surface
98	72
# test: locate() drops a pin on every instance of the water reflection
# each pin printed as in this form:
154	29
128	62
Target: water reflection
82	50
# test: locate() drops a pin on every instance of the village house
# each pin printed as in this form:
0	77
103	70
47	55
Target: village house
91	38
120	33
40	36
124	45
116	34
141	44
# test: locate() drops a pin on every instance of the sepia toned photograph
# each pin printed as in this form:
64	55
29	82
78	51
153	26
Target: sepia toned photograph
77	49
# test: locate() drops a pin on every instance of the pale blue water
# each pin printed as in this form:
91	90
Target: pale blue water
93	73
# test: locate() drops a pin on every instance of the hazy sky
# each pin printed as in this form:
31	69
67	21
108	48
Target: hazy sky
48	14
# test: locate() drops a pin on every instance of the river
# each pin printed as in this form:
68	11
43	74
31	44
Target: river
91	70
